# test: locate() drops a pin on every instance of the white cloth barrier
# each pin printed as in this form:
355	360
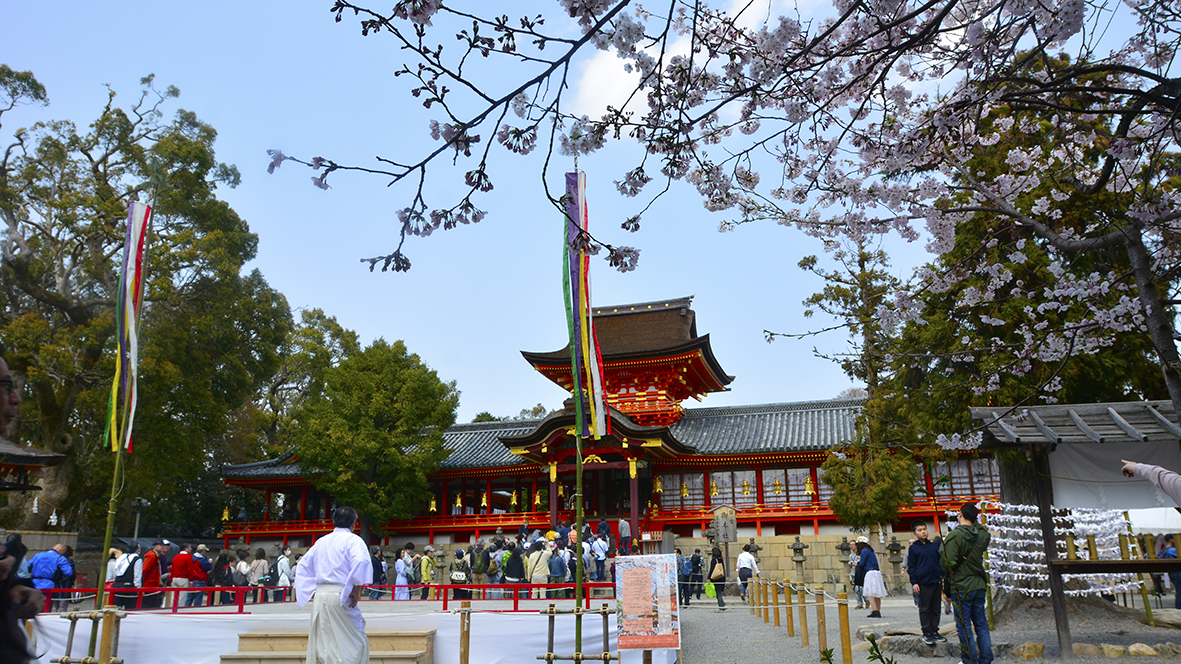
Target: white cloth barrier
496	638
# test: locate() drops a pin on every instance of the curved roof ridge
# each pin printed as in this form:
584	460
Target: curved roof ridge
817	404
260	464
498	424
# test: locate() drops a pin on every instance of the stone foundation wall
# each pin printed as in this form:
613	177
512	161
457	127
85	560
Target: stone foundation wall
823	564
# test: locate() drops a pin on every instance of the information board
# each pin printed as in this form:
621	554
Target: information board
725	523
648	612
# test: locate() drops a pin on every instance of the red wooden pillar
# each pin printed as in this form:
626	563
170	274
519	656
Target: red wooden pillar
328	508
759	493
633	486
553	502
488	494
303	505
705	487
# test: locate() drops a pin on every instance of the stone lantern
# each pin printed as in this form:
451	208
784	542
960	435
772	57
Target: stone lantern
798	557
844	547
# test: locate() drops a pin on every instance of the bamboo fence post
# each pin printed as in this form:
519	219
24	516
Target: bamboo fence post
775	599
1071	550
791	619
465	631
752	595
843	622
1139	575
821	628
803	615
106	641
766	602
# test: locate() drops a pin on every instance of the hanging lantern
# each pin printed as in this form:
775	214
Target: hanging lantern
484	500
684	490
713	489
745	488
810	487
537	499
777	487
459	500
513	500
659	488
225	514
434	507
561	490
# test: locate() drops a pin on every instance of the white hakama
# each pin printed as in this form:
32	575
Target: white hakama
333	637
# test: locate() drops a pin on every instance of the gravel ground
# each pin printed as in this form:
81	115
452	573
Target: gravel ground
736	637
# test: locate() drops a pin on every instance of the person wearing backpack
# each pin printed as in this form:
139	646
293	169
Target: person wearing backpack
557	572
684	571
695	580
426	573
493	568
282	574
479	567
460	572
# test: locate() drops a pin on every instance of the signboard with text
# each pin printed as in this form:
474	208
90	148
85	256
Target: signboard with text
646	592
725	523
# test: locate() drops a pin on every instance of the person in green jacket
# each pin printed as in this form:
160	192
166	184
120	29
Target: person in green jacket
962	559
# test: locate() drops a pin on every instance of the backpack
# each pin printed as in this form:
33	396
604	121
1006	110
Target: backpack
494	564
239	577
687	568
696	560
274	573
459	571
414	572
557	566
478	564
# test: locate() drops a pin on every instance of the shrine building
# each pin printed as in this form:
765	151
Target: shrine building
664	467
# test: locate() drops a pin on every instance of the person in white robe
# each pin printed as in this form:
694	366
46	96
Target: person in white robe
330	576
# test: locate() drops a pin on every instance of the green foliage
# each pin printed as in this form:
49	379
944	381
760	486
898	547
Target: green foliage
484	416
209	334
18	87
377	432
870	483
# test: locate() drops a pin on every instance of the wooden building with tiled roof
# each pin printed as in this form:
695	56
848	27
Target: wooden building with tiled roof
664	467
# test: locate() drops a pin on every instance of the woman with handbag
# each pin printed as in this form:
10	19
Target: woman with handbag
717	576
538	568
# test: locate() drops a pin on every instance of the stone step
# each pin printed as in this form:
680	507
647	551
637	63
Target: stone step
380	657
296	641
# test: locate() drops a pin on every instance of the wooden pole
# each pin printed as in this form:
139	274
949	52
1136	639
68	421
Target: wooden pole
775	599
791	620
465	631
1041	463
752	596
766	585
843	622
821	628
108	636
803	598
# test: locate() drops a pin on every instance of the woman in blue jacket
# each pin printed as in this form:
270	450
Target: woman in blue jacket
870	576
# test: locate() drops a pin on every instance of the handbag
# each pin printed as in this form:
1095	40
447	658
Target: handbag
710	591
717	573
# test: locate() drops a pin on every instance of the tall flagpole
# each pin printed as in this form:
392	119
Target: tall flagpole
118	431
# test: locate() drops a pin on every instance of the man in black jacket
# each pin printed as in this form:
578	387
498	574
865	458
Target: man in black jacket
926	580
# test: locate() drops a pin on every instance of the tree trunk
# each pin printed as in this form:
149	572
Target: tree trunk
1159	328
366	529
1019	481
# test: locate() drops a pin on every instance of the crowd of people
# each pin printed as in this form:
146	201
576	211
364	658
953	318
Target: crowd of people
169	565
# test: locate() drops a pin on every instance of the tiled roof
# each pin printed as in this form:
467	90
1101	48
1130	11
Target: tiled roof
630	329
781	427
479	446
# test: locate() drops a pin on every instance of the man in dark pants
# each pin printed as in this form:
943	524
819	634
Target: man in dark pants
962	557
926	580
695	579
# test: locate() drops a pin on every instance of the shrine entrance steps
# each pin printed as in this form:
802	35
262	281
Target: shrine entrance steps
290	647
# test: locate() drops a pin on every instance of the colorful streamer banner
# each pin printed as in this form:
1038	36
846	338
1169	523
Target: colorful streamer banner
586	364
121	409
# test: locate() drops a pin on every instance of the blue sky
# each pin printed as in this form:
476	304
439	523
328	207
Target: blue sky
285	75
